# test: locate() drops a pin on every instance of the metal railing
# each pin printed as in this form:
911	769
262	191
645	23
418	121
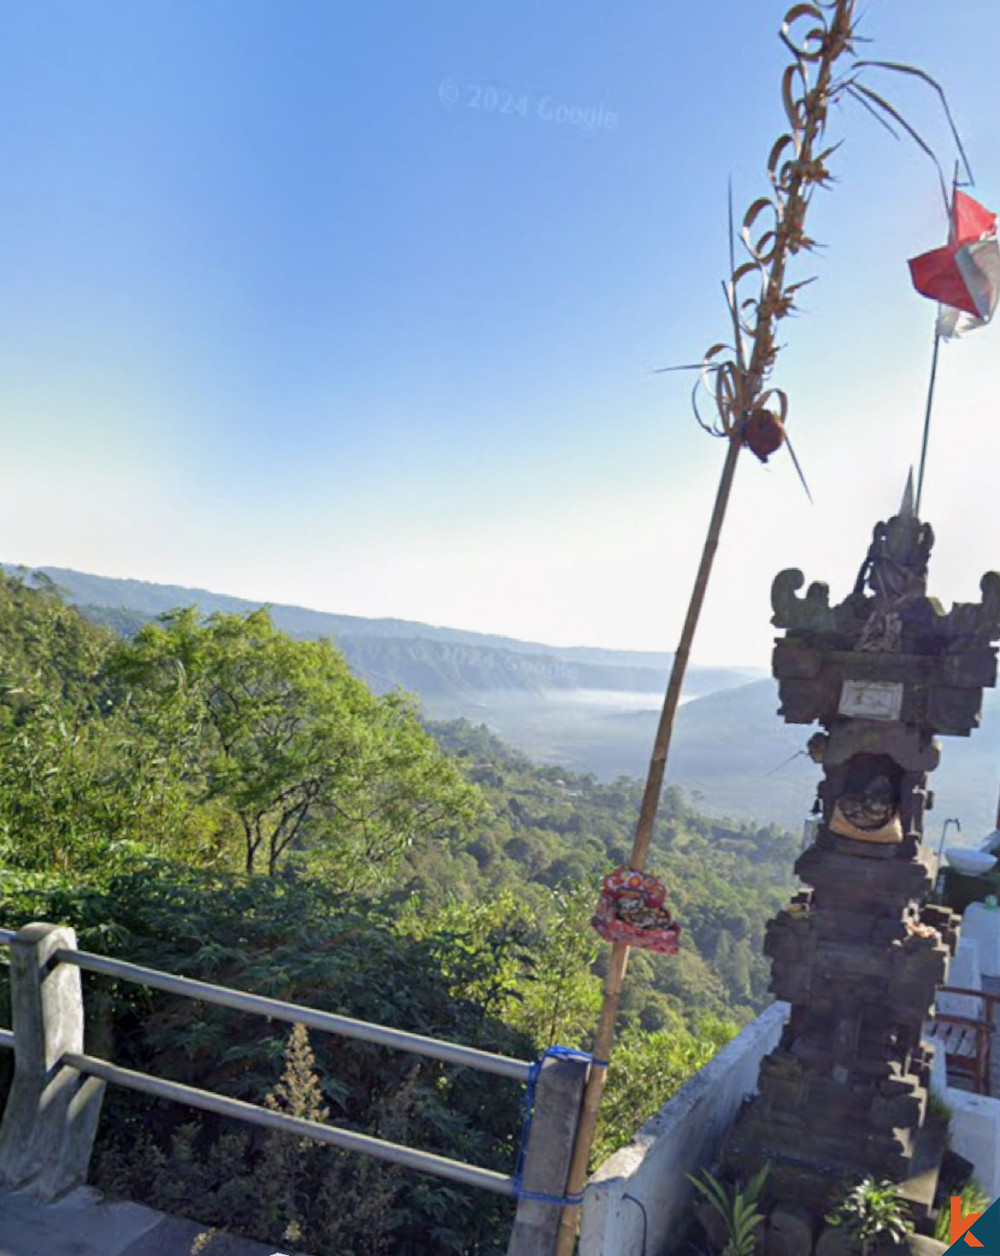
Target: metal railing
47	955
294	1013
223	1105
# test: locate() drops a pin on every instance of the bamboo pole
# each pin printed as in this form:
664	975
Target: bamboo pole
739	389
615	979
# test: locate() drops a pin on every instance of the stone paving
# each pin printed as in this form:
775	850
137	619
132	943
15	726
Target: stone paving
83	1224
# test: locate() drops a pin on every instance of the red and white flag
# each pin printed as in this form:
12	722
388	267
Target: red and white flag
964	276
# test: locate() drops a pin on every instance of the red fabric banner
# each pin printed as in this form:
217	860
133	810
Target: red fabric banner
964	275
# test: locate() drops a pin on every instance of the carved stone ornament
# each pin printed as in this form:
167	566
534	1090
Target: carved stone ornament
881	620
860	953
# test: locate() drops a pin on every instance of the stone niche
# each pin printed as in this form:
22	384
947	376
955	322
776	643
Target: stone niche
859	952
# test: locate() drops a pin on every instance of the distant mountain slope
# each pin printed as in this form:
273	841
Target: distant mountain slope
733	748
589	710
730	749
431	661
729	746
151	599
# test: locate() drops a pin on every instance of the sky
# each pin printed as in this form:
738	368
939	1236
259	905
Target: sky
359	305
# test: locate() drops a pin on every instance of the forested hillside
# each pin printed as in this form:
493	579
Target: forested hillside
546	828
216	798
589	709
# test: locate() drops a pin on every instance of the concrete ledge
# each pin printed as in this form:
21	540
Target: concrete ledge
975	1134
644	1184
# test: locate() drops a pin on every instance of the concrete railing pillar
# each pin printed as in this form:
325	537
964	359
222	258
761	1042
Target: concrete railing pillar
558	1096
51	1115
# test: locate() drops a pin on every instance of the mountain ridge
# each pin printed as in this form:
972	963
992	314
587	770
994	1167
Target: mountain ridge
731	749
429	659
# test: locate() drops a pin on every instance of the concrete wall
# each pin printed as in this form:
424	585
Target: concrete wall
683	1136
688	1132
975	1134
974	1126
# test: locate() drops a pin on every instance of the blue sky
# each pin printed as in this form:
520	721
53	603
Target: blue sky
357	305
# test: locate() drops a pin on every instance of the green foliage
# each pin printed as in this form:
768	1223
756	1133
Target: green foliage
560	1000
645	1070
938	1109
76	789
974	1199
313	766
546	828
48	653
737	1209
289	938
939	1113
216	799
870	1211
529	963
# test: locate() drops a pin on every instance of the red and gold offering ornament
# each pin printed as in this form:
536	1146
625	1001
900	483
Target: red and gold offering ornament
631	910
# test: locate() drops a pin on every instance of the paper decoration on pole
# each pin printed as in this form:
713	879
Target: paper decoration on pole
631	910
964	275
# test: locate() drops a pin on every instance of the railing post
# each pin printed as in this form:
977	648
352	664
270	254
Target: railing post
558	1097
51	1115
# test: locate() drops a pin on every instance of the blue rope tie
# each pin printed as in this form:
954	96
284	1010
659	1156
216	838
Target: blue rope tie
564	1201
574	1199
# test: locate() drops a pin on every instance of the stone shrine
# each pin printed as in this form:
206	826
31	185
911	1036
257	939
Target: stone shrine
858	955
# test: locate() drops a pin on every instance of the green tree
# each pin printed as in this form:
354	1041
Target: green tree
528	963
645	1070
561	999
294	939
309	762
48	653
78	793
76	788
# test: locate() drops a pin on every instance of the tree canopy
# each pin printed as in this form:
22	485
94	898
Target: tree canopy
311	765
219	799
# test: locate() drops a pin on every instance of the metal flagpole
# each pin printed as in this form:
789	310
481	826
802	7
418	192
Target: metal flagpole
934	358
927	418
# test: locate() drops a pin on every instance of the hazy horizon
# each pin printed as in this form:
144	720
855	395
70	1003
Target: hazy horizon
296	309
736	665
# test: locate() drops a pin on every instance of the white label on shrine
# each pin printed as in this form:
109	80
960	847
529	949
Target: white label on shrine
872	699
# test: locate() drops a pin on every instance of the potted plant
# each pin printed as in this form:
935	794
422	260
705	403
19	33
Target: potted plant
736	1210
872	1212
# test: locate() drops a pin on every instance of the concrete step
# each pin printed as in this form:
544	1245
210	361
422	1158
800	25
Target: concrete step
85	1224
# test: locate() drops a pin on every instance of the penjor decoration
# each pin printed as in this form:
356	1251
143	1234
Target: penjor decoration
749	411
